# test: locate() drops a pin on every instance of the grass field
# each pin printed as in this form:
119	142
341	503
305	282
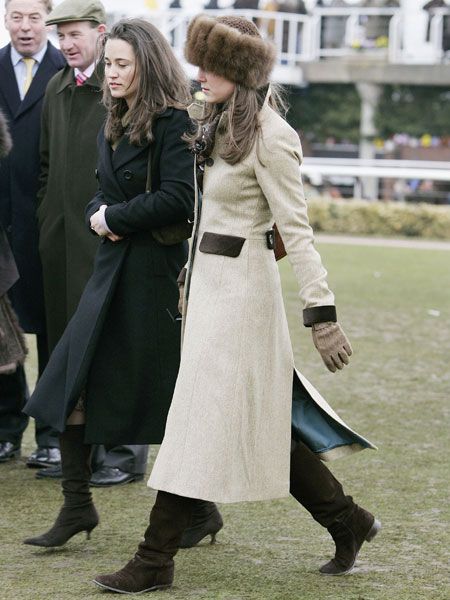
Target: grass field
395	306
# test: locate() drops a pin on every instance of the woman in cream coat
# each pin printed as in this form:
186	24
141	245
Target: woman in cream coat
228	432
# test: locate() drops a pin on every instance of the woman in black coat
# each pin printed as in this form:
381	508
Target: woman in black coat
111	377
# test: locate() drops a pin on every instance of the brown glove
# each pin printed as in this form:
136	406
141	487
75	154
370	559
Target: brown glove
332	344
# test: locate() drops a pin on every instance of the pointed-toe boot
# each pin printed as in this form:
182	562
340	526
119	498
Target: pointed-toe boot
69	522
349	535
78	512
206	520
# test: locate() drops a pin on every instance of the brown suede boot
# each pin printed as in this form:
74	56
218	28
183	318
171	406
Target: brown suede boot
206	520
78	512
152	567
349	535
317	489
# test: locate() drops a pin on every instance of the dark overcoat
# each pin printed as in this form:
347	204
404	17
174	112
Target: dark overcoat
19	174
122	345
71	119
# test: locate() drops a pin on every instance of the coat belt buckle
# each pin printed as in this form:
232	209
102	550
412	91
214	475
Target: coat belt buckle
270	239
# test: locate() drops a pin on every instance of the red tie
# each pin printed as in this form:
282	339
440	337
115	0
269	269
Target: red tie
80	78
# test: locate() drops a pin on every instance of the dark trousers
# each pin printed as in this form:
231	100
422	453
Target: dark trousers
131	459
13	396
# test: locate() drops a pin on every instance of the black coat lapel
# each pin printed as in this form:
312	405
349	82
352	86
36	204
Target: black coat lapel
125	152
8	80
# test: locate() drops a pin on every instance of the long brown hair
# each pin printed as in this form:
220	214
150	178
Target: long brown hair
161	82
241	125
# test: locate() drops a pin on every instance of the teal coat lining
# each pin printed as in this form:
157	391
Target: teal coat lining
314	427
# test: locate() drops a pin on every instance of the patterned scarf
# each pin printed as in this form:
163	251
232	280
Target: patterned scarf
204	145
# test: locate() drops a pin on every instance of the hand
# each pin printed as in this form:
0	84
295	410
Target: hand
332	344
181	299
98	222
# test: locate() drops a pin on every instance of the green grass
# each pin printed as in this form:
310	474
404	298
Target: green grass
395	392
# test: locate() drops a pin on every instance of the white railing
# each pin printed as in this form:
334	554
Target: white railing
349	174
291	33
437	31
325	33
344	31
379	168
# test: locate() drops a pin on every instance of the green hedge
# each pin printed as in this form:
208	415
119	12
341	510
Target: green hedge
380	218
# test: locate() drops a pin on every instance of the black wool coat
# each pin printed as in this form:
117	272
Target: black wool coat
19	175
122	344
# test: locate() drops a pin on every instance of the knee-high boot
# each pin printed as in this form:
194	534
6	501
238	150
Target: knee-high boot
78	512
317	489
152	566
206	520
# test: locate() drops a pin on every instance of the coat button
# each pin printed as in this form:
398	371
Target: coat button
209	162
128	175
96	174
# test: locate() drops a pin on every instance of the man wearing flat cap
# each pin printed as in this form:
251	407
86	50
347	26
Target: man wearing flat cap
72	116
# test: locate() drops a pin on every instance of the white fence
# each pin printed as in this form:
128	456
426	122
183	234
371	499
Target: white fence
379	168
330	32
324	33
391	177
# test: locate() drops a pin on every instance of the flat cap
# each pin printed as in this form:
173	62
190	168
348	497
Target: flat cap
77	10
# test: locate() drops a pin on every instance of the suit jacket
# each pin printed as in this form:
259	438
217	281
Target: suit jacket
19	174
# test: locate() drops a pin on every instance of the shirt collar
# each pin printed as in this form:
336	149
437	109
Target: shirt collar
87	72
16	57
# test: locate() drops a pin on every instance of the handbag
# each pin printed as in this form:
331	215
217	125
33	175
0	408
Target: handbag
168	235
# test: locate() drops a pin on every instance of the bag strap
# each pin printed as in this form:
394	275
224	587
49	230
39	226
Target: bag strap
148	183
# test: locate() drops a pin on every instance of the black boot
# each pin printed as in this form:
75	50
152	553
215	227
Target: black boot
78	512
315	487
152	566
206	520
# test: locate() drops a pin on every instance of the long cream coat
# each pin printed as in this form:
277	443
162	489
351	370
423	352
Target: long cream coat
228	431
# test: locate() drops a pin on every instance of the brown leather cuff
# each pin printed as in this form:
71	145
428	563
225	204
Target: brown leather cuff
319	314
224	245
182	276
280	250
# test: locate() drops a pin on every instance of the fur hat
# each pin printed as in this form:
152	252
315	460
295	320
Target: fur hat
5	138
231	47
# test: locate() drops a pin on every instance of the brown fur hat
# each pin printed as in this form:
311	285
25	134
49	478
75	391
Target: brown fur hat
5	138
231	47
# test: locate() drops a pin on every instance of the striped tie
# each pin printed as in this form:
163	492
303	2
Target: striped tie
29	64
80	78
